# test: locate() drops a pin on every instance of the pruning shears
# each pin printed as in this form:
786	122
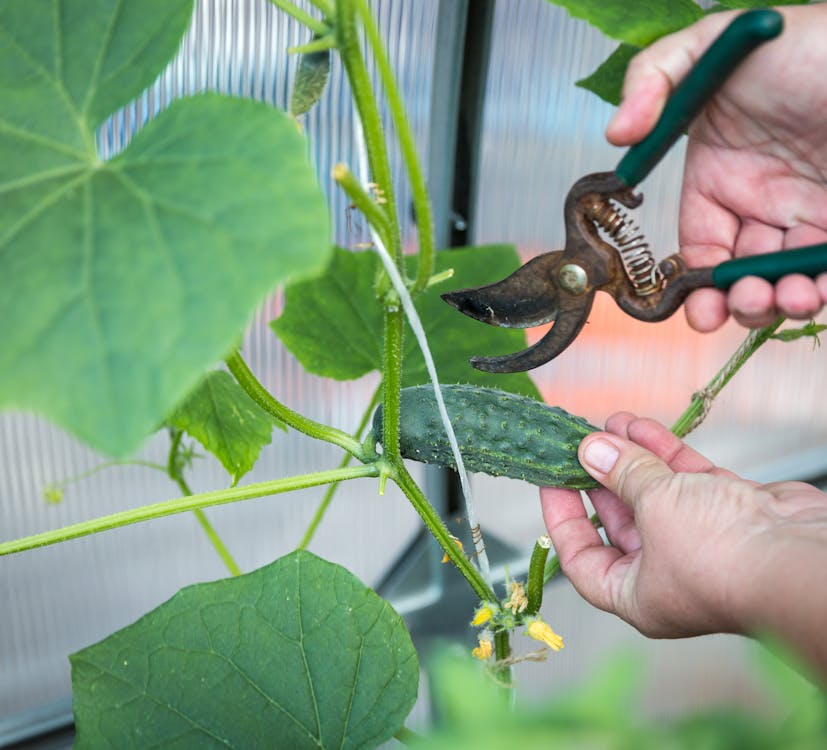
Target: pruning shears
605	251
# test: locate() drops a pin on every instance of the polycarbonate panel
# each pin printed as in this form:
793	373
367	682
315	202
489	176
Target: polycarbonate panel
541	133
59	599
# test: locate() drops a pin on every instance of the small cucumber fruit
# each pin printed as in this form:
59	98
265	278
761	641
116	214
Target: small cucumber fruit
499	433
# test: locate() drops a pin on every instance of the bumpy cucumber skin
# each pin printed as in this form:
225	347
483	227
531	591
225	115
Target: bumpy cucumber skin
499	433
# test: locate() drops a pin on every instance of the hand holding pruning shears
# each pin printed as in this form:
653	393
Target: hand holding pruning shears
748	189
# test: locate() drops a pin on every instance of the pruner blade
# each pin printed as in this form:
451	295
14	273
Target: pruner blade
528	297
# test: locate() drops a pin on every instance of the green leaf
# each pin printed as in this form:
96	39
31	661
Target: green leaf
607	80
121	282
298	654
638	23
812	329
226	421
759	3
333	325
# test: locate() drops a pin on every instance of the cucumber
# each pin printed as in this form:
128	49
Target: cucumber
499	433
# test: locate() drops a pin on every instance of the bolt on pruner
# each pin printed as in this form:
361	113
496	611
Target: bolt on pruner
605	251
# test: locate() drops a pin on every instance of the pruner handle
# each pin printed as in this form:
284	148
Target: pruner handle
741	37
810	261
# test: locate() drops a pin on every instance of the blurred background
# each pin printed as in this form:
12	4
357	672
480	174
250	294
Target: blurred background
503	132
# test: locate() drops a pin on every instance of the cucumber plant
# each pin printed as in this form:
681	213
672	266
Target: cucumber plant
150	286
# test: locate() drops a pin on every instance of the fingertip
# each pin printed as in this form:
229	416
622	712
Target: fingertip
598	454
618	423
706	310
751	301
797	297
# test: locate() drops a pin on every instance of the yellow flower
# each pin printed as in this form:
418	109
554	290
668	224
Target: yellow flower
484	650
542	631
483	614
456	541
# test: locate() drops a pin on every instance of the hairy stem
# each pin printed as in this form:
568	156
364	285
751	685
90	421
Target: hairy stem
350	52
314	24
371	210
441	534
407	144
702	400
183	504
331	490
242	373
174	470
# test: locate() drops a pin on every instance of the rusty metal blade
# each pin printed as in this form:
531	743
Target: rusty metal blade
571	318
528	297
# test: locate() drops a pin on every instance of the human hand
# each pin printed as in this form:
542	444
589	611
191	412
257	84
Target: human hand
694	549
755	178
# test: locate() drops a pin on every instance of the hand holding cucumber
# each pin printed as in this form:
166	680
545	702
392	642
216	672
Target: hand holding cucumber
694	549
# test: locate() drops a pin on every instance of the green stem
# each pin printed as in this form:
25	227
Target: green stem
350	52
407	144
701	401
326	8
217	542
173	469
314	24
331	490
394	329
441	534
317	45
375	216
408	736
536	572
242	373
106	465
502	651
188	503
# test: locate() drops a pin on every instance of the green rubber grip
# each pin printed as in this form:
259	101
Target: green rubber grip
740	38
811	261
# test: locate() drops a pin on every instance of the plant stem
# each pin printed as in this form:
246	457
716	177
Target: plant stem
317	45
331	490
419	188
314	24
173	469
242	373
392	387
183	504
351	54
326	7
502	651
441	534
702	400
375	216
407	736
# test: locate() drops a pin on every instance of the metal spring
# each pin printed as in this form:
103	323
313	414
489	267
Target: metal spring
637	259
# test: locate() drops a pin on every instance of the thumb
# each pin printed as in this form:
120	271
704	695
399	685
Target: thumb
621	466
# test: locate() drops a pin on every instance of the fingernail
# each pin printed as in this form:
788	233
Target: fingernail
601	456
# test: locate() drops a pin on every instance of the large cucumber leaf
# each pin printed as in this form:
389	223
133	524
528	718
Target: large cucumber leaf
298	654
122	281
334	325
638	23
